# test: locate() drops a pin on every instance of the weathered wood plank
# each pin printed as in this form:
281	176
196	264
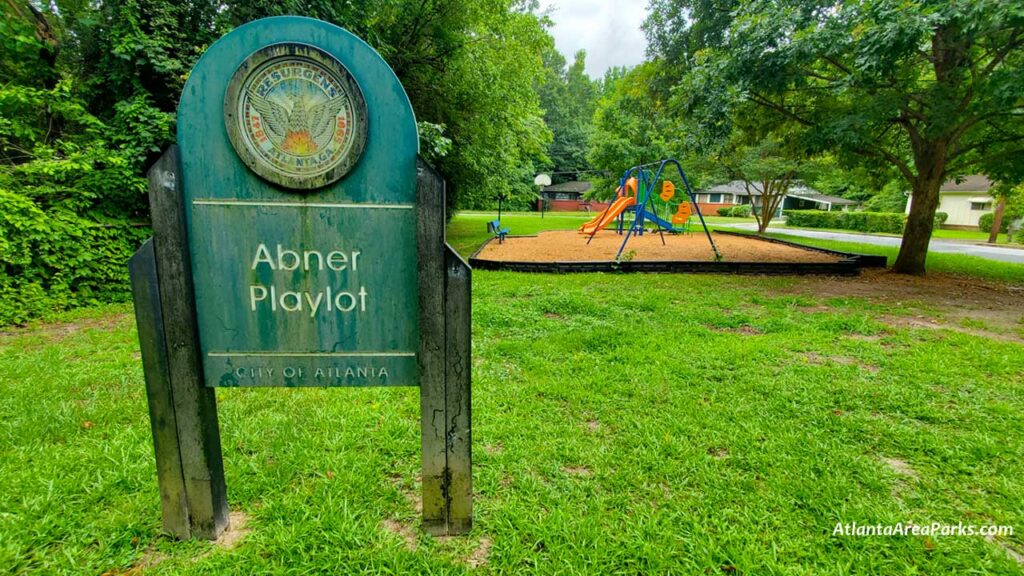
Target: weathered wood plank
195	405
153	345
430	245
458	397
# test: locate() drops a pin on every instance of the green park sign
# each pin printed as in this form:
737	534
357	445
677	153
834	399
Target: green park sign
298	241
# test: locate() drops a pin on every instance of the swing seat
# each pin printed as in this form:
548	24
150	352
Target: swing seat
682	217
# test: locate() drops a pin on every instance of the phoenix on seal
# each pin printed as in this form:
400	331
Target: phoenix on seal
298	126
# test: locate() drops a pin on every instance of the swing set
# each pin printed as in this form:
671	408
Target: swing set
635	196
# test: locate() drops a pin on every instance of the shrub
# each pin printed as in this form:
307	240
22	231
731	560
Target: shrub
940	218
872	222
985	223
742	211
55	260
67	205
724	211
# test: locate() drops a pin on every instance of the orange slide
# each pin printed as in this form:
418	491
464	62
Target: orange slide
608	216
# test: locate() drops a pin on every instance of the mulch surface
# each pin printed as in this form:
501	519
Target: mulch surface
571	246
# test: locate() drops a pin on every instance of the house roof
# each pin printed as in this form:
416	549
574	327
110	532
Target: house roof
574	186
795	191
738	188
815	197
974	183
734	187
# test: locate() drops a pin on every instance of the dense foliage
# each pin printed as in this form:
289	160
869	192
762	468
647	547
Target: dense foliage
929	89
71	194
90	91
568	97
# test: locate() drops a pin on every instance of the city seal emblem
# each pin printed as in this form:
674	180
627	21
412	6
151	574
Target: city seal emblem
296	116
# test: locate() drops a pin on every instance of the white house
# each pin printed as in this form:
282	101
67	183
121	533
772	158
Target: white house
800	197
965	201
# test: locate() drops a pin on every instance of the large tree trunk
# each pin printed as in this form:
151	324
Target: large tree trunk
918	233
930	161
997	220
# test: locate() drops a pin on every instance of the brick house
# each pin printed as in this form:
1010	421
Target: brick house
568	197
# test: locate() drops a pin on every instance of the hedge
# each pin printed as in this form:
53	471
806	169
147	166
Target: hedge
877	222
887	222
55	260
742	211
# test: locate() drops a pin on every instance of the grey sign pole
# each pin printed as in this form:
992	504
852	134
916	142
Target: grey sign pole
445	332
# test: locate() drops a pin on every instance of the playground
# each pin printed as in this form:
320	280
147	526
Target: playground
568	246
653	225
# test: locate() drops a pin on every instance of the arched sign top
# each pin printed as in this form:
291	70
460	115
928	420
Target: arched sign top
299	133
296	116
298	152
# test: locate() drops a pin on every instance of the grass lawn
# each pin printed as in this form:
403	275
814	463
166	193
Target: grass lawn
973	235
623	424
937	261
948	234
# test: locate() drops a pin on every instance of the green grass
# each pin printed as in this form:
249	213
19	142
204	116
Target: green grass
949	234
467	231
973	235
937	261
623	424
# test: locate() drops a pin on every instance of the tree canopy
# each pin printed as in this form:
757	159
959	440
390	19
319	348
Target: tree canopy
568	97
928	88
91	90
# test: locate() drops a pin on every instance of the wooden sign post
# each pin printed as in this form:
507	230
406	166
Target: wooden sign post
298	241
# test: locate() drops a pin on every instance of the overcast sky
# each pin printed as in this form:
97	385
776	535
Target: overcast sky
609	30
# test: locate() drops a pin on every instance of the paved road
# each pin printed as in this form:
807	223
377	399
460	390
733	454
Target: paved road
999	253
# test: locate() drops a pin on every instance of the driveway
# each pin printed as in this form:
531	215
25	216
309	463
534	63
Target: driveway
1002	254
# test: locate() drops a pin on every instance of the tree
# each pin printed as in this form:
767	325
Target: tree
927	87
766	176
631	124
677	30
90	89
767	157
568	97
468	67
1009	207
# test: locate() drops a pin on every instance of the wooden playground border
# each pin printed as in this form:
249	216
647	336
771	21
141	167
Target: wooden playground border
849	265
